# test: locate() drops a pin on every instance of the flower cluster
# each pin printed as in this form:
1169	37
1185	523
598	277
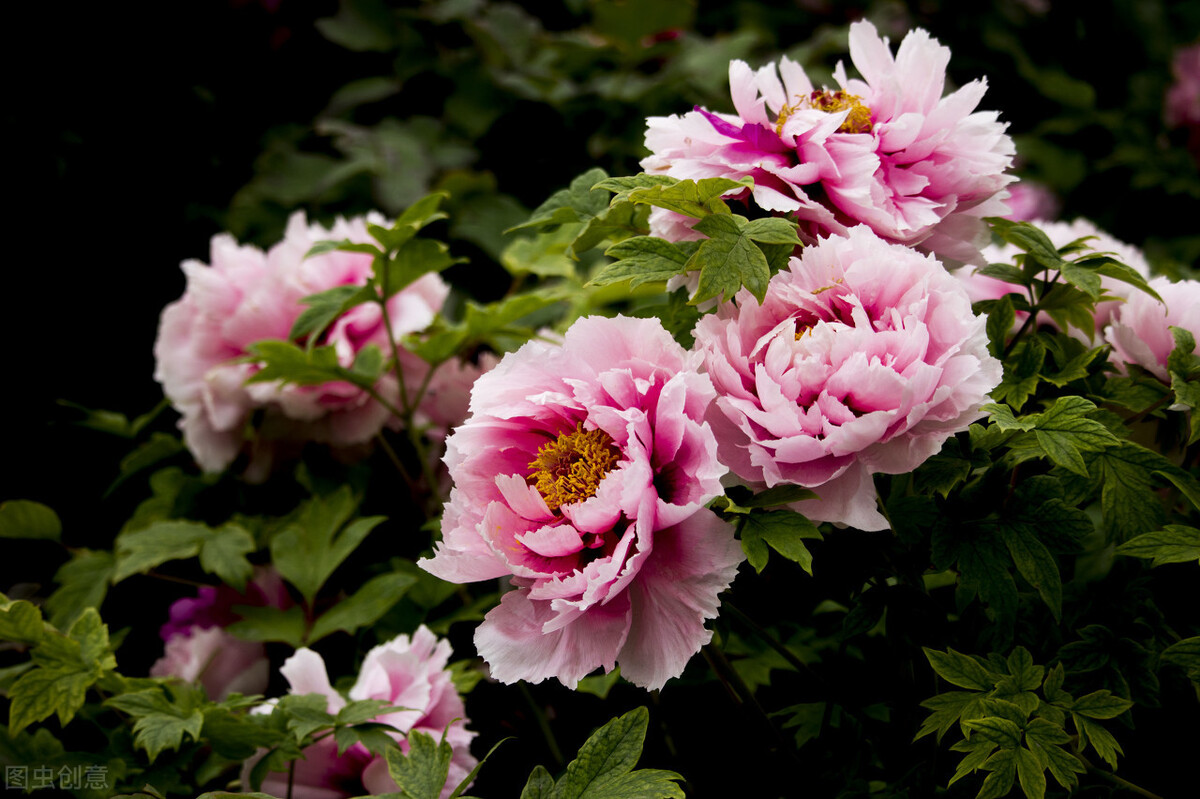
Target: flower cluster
247	295
888	151
407	672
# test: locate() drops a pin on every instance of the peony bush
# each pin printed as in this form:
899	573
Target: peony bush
816	458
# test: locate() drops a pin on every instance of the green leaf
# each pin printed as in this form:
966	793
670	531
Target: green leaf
728	260
1026	676
784	531
43	692
604	764
235	735
600	684
622	186
22	518
269	624
1002	732
1003	765
421	774
1031	774
778	495
1000	321
1100	739
373	735
946	709
1186	655
1175	543
578	203
412	261
1062	764
365	607
470	778
161	722
961	670
307	551
540	784
323	308
160	541
543	254
1064	433
641	259
304	714
697	199
621	221
361	710
1100	705
21	622
287	363
1128	500
1052	688
1036	565
480	324
223	553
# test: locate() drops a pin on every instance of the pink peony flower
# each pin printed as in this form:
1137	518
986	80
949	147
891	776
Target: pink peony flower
1029	200
887	151
247	295
1140	331
864	357
408	673
981	287
198	649
582	474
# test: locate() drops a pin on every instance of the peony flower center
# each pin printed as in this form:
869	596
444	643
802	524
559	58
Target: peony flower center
857	121
570	468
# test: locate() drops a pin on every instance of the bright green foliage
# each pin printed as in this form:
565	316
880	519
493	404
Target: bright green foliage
481	324
1011	732
604	767
422	772
163	715
64	666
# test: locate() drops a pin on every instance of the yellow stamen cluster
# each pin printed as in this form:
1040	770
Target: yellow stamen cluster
857	121
570	468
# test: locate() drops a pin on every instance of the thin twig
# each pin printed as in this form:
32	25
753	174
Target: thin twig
1115	780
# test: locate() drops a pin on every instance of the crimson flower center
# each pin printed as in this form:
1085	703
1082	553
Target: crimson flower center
570	468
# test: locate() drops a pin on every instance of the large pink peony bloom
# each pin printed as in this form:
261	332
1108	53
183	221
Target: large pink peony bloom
408	673
864	357
981	287
1140	330
247	295
887	151
198	649
582	474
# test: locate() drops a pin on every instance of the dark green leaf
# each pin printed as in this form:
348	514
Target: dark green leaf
1064	433
365	607
999	731
1003	765
374	736
412	261
961	670
728	260
946	709
784	531
540	784
1100	705
1186	655
20	622
22	518
141	550
1031	774
1175	543
308	551
304	714
223	553
610	753
1036	564
269	624
1100	739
